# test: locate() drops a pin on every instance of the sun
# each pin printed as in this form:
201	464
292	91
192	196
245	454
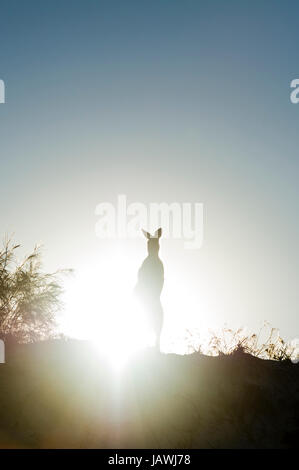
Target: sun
100	307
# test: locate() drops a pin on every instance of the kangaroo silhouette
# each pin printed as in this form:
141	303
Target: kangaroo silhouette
150	283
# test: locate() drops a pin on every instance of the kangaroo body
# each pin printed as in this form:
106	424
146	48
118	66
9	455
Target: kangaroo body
150	285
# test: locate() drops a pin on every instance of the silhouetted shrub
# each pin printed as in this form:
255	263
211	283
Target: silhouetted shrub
29	298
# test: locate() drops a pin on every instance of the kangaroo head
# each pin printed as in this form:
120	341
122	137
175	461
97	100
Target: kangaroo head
153	244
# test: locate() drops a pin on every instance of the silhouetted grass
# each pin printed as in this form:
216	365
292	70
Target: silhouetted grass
267	344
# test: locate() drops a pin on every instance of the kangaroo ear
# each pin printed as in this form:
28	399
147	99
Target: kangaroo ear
158	233
146	234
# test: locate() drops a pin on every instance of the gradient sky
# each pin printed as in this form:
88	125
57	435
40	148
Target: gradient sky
163	101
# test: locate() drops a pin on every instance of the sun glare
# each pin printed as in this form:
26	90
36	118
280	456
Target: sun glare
100	307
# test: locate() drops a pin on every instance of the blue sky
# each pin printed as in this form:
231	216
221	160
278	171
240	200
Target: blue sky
163	101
